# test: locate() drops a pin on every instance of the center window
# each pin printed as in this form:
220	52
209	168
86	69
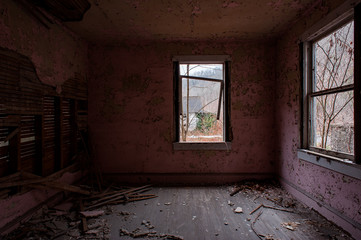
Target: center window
201	110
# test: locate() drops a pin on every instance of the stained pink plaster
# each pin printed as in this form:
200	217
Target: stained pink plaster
131	109
339	192
56	53
196	10
18	205
230	4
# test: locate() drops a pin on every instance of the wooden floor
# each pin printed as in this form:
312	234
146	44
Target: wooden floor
206	213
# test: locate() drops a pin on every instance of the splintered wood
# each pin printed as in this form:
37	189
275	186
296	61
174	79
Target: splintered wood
108	197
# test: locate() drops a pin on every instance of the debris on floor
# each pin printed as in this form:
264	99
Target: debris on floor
230	203
137	233
79	217
238	210
269	196
290	225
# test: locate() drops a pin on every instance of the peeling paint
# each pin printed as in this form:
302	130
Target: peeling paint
55	61
330	188
142	74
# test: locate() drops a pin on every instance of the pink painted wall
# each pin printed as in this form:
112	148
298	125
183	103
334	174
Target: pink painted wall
56	52
57	55
341	193
131	109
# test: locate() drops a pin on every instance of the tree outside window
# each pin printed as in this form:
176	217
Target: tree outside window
332	97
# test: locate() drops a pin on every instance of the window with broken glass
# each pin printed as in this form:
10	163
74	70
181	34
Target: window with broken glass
329	87
201	88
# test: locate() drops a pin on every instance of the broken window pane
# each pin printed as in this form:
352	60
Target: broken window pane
201	111
332	117
334	59
213	71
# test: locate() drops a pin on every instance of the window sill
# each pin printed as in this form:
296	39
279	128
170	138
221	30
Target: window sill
202	146
333	163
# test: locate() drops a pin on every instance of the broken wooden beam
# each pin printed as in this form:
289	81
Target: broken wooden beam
12	134
22	183
62	186
83	219
121	193
91	213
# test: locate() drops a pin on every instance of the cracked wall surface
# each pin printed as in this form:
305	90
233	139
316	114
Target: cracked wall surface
56	52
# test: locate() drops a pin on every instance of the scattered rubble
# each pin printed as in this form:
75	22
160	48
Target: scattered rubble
230	203
149	234
92	213
80	219
238	210
290	225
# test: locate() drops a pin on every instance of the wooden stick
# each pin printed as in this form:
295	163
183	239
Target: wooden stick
65	187
252	225
83	219
118	201
12	134
279	209
254	210
120	194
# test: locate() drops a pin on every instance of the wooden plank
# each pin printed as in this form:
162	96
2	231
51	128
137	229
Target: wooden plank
12	134
22	183
11	177
65	187
83	219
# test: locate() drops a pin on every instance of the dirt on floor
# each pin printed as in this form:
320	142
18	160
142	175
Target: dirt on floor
86	218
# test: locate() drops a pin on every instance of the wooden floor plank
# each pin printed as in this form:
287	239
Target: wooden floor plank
204	213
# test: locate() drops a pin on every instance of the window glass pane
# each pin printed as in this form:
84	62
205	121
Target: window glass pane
332	122
334	59
214	71
201	104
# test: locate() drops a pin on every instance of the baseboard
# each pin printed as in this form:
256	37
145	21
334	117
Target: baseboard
330	213
169	179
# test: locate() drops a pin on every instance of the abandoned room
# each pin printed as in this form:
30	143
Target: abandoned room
180	119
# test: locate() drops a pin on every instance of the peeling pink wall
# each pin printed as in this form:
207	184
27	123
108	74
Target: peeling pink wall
57	54
131	109
341	193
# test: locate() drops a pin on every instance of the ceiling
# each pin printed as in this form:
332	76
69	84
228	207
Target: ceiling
112	21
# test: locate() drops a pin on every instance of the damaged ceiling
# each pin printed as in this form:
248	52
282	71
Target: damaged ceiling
113	21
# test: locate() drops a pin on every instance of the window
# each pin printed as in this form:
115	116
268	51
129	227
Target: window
330	121
201	84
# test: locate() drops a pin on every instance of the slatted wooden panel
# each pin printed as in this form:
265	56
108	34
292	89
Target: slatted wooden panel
49	135
67	130
4	151
20	89
47	121
28	148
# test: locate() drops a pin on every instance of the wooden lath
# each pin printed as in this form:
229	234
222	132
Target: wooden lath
40	126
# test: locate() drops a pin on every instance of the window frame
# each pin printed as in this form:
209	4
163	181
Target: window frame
345	13
202	59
